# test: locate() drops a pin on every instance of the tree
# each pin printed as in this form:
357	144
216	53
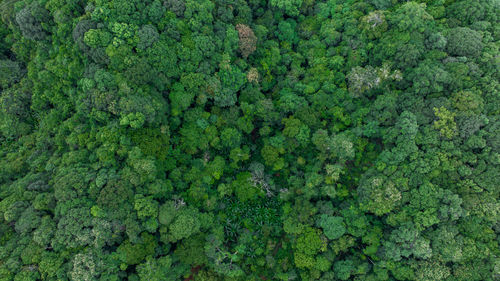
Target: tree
378	195
147	210
28	221
74	229
446	122
406	241
248	40
246	187
329	31
271	157
411	17
343	269
429	78
333	226
95	38
449	244
98	55
160	269
362	80
290	7
222	260
85	267
186	224
10	72
286	31
431	270
148	35
134	253
31	20
231	80
45	231
231	137
156	10
162	56
15	112
466	12
26	275
290	102
50	264
375	24
436	41
308	245
176	6
463	41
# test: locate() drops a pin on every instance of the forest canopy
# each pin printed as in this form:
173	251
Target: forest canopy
204	140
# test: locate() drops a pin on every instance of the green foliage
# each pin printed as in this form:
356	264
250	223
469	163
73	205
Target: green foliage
130	253
446	122
411	17
362	80
148	35
255	216
310	242
231	80
10	72
97	38
378	195
249	140
231	137
343	269
244	188
333	227
406	241
290	7
159	269
33	20
463	41
184	226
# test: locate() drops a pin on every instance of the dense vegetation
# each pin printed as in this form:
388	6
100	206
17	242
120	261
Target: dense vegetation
249	140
